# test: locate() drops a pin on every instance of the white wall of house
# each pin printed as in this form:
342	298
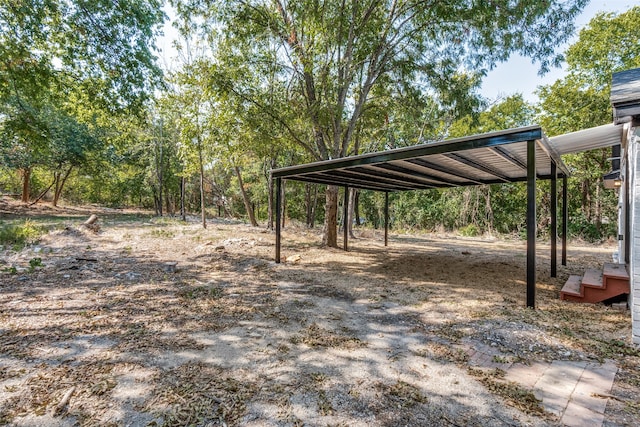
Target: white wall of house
633	159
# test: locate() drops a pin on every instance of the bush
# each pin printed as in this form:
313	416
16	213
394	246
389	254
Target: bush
19	235
470	230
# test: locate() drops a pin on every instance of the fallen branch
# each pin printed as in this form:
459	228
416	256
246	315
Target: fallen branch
63	402
42	194
91	223
93	218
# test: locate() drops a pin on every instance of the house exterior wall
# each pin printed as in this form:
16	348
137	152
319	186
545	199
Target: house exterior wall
633	159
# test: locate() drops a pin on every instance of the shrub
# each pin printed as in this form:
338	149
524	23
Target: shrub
19	235
470	230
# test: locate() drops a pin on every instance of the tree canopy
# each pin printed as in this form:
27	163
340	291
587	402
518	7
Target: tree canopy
85	107
58	57
333	57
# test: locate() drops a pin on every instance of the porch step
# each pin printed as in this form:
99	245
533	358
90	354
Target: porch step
593	278
617	271
572	286
597	285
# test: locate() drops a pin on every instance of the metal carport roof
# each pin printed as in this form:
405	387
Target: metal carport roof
489	158
521	154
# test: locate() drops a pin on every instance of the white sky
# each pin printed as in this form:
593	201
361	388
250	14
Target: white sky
519	75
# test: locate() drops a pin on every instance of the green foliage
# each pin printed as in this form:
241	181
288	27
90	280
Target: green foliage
18	235
163	234
11	270
34	263
320	75
332	59
68	68
469	230
606	45
270	86
609	43
41	42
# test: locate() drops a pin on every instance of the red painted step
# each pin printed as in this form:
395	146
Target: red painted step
596	286
572	288
593	278
618	271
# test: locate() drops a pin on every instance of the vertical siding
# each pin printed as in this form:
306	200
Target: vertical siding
633	152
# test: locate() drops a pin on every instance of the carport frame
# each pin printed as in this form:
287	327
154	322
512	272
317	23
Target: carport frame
357	171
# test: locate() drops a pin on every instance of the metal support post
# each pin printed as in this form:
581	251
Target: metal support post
345	218
554	220
278	217
531	224
565	219
386	218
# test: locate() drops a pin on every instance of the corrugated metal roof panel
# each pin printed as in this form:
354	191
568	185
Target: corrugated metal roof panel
494	157
587	139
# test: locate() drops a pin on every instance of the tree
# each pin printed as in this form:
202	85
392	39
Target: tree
231	147
69	145
193	111
580	100
473	209
49	47
331	55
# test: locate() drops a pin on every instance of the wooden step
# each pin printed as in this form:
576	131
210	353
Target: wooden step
596	285
572	287
592	278
617	271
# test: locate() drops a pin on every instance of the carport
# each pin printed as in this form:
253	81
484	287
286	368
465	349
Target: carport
514	155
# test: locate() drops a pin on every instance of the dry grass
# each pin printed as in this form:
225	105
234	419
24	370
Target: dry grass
516	395
333	339
315	336
199	394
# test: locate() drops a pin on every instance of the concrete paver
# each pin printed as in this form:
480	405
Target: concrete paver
587	405
556	385
526	375
575	391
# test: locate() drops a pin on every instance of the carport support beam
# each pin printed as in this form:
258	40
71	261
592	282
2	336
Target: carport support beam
278	217
565	218
345	219
386	218
554	220
531	224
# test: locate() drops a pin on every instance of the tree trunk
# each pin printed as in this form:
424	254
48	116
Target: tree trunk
156	200
284	205
26	177
331	217
245	198
598	208
489	210
314	207
270	190
168	201
43	193
202	201
586	199
352	204
60	185
183	213
159	197
308	203
160	170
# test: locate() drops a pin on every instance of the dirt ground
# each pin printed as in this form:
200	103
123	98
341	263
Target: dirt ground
154	322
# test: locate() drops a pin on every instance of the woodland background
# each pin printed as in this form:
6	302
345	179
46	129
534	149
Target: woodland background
89	116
